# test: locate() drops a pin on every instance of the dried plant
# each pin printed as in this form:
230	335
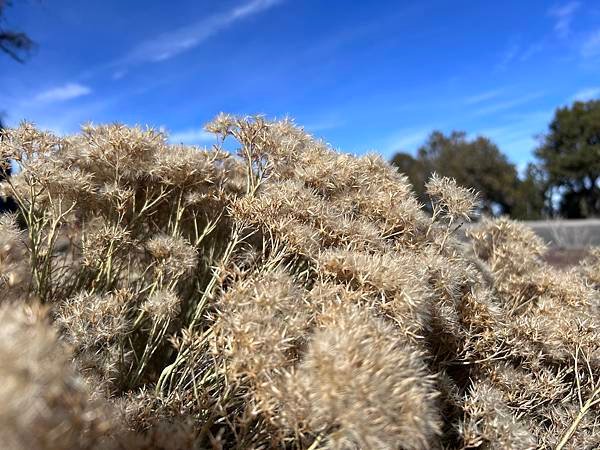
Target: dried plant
45	404
283	295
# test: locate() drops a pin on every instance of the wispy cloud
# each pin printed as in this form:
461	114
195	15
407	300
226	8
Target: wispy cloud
191	136
513	131
531	50
591	45
516	52
564	16
484	96
406	140
507	104
177	41
59	117
324	123
515	139
509	55
587	94
61	93
517	135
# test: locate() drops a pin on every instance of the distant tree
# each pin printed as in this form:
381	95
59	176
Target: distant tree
414	169
569	154
531	202
476	163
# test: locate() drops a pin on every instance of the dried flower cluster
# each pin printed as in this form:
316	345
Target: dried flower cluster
282	296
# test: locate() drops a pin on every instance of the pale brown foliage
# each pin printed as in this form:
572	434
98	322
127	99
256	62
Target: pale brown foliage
45	404
285	296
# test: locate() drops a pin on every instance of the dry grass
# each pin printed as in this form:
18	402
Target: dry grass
284	296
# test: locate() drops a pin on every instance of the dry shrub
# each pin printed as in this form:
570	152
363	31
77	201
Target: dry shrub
45	404
14	271
360	385
284	295
589	268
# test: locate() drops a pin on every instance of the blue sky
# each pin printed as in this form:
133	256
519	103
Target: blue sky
364	76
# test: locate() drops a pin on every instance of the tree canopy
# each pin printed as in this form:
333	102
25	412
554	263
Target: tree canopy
570	158
476	163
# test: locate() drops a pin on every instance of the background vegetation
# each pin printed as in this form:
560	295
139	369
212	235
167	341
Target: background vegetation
562	182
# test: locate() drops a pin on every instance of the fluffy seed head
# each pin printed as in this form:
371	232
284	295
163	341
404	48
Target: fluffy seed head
454	201
175	256
44	405
162	305
362	387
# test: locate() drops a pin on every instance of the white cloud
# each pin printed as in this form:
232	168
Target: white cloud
65	92
177	41
507	104
191	137
517	135
484	96
119	74
587	94
516	52
510	133
515	140
323	124
509	55
591	46
407	140
564	16
532	50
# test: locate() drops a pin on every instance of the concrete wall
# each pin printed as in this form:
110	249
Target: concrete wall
568	233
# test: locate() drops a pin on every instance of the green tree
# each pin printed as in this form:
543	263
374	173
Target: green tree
476	163
570	156
531	202
414	169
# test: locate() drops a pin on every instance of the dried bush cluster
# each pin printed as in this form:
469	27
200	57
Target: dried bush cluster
284	296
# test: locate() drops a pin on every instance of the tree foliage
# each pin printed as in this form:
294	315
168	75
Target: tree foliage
530	202
476	163
570	157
